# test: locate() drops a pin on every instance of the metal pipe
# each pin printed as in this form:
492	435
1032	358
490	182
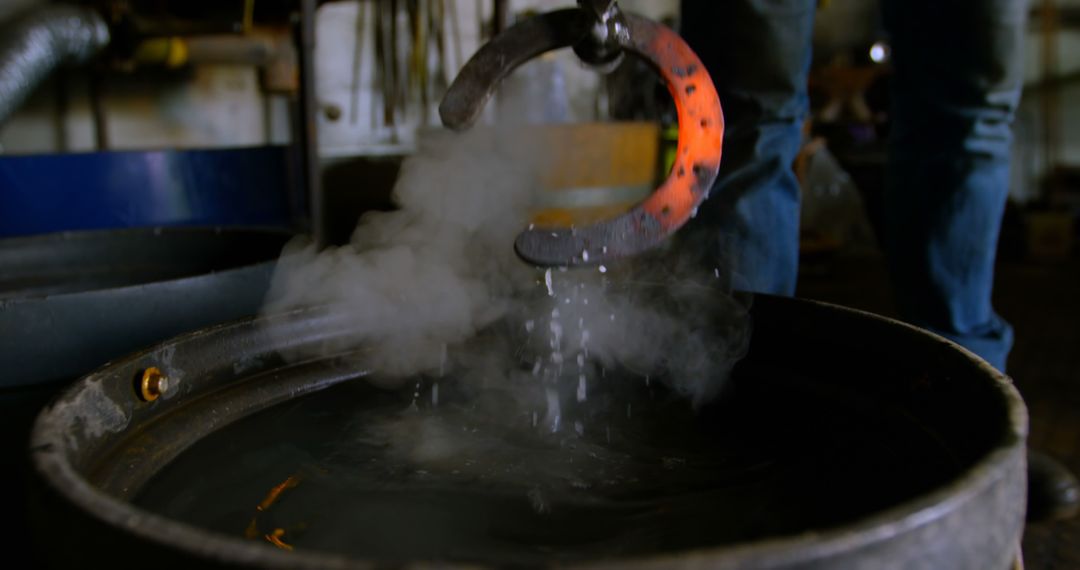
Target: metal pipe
500	17
231	49
176	51
39	42
60	114
308	140
97	110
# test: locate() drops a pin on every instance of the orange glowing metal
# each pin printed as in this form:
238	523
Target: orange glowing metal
276	492
701	128
275	539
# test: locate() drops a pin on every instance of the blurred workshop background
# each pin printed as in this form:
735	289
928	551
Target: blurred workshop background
295	116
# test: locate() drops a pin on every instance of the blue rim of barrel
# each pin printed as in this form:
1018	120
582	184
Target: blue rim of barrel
249	186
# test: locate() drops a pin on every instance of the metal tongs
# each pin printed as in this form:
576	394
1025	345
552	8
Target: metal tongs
600	34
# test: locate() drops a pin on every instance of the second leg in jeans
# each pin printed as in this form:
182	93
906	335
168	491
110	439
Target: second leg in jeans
758	54
958	76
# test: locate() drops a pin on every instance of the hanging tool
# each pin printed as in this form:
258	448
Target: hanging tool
417	72
437	25
397	81
455	33
358	59
600	34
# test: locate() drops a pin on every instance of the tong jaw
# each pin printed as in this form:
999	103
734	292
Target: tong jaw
607	32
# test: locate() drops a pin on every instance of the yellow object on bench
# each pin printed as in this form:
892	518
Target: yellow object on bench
599	170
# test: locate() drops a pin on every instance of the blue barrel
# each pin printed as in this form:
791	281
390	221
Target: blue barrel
122	189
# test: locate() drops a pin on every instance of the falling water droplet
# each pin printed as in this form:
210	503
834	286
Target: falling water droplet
582	393
585	255
603	269
556	331
547	281
416	395
537	500
554	413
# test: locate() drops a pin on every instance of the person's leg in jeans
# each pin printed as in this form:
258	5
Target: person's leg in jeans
957	84
758	54
958	77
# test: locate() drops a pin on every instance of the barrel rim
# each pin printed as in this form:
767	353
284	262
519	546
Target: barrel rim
50	462
176	232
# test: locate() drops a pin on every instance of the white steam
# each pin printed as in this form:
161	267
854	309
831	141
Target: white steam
433	273
425	281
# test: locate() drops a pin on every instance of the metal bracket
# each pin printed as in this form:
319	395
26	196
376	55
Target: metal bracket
601	46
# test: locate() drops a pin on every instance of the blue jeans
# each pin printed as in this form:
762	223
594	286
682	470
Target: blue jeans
957	82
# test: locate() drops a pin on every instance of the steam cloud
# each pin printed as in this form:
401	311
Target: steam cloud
429	283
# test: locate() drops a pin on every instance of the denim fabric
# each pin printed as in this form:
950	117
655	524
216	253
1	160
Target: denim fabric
758	53
958	75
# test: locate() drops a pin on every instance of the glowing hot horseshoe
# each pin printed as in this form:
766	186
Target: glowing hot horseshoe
701	132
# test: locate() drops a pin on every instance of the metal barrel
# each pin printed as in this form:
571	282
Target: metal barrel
97	447
71	302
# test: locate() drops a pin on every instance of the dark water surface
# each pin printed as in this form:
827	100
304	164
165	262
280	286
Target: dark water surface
631	472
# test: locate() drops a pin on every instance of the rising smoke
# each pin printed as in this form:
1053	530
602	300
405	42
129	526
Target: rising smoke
436	271
435	286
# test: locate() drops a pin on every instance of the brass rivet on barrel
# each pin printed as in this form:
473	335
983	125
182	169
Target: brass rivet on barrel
152	384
